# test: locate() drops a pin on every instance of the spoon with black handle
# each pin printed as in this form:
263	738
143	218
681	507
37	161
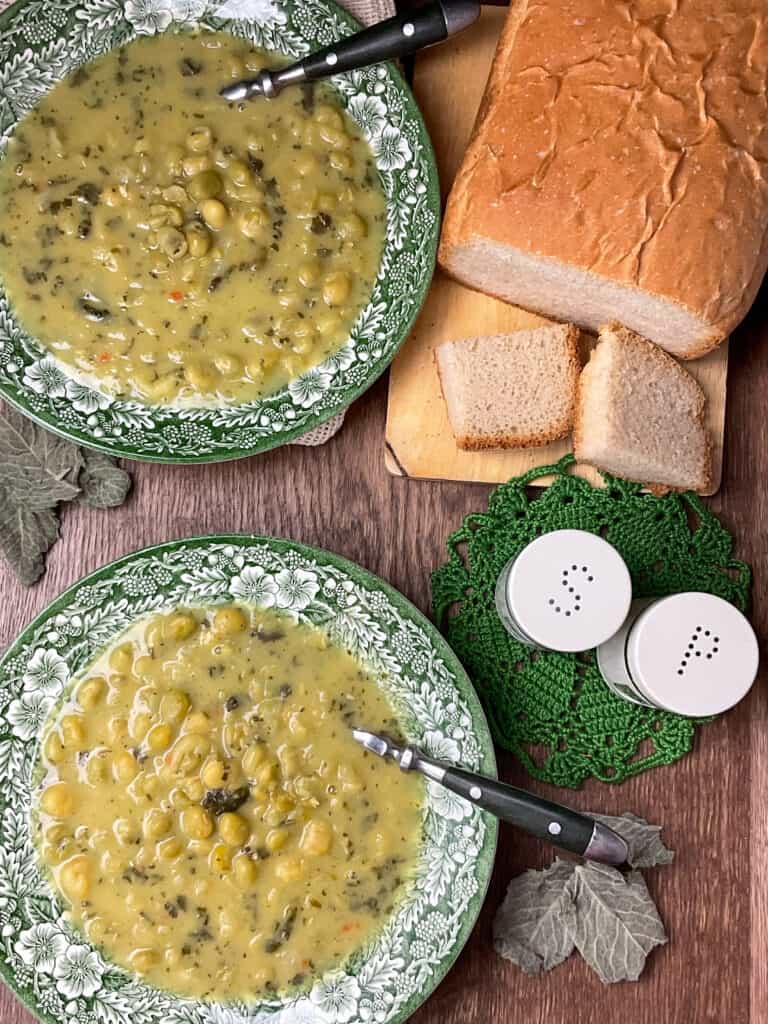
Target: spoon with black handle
388	40
544	819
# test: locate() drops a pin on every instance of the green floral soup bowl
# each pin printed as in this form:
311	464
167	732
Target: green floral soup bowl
56	972
40	43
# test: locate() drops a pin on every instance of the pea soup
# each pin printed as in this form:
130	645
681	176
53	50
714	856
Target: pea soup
206	814
176	248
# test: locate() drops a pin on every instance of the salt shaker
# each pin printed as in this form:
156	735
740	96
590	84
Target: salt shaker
568	590
691	653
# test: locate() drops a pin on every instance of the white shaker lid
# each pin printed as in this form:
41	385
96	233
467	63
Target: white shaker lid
569	590
693	653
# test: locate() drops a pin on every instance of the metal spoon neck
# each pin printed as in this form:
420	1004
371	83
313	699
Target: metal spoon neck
266	83
606	846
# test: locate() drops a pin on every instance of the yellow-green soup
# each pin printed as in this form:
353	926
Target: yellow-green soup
178	248
206	814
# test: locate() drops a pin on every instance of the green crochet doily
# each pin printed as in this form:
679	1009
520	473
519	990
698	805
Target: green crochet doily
553	710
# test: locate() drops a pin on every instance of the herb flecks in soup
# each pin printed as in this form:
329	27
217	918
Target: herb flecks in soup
206	813
177	247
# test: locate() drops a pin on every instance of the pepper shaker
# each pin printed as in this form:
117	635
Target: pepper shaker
568	591
692	653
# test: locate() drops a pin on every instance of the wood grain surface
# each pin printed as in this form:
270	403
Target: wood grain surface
712	803
419	439
713	899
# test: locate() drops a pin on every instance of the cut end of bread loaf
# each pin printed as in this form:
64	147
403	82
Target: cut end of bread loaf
568	292
640	415
513	390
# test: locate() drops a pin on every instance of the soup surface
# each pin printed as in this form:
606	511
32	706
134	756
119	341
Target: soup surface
176	247
206	813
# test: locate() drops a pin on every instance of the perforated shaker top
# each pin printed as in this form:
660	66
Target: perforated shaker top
569	590
693	653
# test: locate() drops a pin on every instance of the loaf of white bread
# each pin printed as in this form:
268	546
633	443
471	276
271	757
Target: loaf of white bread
619	167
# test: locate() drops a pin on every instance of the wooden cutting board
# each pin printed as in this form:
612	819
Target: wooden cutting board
448	82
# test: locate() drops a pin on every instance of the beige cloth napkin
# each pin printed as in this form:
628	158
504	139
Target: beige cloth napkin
368	12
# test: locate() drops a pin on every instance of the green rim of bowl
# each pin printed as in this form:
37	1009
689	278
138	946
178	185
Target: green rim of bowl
397	971
40	43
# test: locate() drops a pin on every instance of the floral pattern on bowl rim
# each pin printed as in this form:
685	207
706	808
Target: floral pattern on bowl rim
54	970
43	40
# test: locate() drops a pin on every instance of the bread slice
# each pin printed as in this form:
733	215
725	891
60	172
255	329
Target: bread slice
617	168
640	415
511	390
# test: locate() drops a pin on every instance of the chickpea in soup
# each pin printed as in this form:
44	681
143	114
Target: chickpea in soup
206	814
177	248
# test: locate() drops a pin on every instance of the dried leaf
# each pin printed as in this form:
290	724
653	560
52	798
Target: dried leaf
102	483
612	920
37	471
530	925
25	536
646	849
37	468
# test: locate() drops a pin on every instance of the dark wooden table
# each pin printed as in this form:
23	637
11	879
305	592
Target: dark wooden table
714	899
712	803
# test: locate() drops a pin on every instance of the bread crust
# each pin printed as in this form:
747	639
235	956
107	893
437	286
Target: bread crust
507	442
579	155
535	439
629	337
